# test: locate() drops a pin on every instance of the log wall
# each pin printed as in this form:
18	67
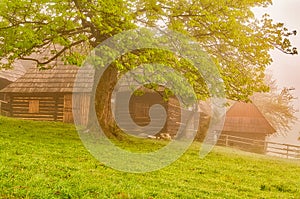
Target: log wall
43	107
139	107
47	107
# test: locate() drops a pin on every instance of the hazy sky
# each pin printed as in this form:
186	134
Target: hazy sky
286	68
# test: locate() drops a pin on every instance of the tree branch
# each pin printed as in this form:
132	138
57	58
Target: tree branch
54	57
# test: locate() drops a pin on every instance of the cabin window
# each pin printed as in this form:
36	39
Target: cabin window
34	106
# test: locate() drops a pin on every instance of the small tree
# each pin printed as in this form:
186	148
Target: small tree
277	106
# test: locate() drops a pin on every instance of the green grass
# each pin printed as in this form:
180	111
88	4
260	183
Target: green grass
48	160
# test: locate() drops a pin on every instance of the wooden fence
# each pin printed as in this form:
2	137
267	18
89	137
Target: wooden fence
259	146
283	150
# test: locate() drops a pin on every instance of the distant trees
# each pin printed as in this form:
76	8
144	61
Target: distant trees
277	106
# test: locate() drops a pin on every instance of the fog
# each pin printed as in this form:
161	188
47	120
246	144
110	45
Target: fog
286	68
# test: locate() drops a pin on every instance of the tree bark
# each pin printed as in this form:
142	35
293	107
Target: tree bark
103	94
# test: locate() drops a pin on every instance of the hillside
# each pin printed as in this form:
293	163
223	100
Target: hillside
48	160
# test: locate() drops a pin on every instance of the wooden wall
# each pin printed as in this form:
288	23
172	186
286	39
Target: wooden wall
190	123
67	109
36	107
139	111
42	106
82	107
256	136
244	144
138	108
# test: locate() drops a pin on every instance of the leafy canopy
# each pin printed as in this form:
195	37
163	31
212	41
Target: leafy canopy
238	43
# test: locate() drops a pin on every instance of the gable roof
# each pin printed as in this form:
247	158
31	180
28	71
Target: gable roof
246	117
58	79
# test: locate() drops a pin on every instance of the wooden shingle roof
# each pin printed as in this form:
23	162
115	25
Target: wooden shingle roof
246	117
59	79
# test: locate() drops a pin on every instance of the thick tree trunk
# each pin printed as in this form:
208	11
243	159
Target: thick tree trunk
102	103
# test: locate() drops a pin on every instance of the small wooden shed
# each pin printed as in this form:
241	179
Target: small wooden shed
244	120
47	94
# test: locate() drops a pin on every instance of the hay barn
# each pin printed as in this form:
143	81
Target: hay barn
46	94
244	120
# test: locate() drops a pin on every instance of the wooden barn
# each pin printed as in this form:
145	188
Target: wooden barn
245	127
139	107
46	94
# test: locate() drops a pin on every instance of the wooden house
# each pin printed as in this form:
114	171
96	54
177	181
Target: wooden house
245	127
139	108
47	94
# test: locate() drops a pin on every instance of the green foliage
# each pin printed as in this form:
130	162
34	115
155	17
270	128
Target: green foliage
48	160
227	30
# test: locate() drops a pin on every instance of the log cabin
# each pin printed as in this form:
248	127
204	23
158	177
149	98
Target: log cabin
245	125
139	108
47	94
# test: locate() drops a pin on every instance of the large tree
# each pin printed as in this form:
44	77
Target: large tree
238	43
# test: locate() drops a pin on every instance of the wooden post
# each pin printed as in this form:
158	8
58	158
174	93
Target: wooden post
265	147
226	140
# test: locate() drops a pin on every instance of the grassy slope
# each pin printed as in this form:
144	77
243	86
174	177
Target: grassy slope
48	160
